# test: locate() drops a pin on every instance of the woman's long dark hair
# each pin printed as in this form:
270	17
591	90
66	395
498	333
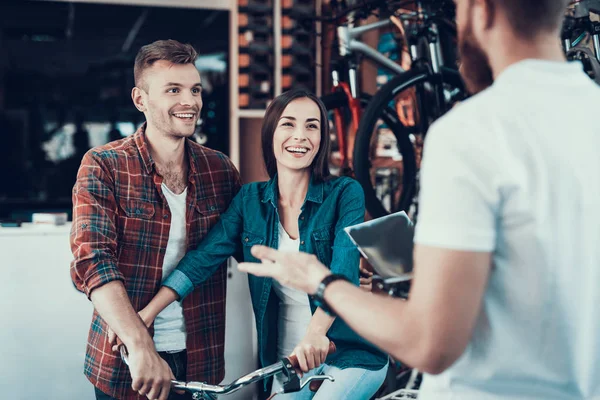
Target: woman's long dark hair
320	165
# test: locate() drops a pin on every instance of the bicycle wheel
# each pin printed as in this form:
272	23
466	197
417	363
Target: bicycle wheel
338	100
375	158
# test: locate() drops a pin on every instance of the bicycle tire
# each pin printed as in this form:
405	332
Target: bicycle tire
372	114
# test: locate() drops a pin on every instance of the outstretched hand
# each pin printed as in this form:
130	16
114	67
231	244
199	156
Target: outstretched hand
298	270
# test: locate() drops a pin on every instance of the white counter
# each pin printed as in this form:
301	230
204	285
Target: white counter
29	229
45	321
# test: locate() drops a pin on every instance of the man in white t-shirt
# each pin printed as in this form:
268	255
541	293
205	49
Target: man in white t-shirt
506	292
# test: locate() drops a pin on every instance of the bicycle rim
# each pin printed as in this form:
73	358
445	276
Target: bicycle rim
402	191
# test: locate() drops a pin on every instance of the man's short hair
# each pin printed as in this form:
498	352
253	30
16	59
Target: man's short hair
531	17
168	50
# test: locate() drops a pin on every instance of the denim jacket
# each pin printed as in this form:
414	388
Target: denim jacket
253	218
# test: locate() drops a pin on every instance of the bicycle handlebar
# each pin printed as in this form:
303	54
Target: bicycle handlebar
288	366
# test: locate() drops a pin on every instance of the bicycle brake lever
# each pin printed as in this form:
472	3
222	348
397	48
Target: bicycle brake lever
316	378
292	382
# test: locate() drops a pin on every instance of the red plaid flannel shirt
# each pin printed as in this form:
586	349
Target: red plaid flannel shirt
120	230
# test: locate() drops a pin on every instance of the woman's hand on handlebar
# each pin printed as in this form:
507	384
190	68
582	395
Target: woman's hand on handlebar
146	316
311	351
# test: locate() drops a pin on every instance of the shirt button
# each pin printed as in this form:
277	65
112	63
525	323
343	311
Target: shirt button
166	216
302	242
137	211
246	240
302	218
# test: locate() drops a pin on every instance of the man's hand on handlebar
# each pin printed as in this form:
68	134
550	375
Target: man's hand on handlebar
312	351
150	374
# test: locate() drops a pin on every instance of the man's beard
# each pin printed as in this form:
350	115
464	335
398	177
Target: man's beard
475	67
167	123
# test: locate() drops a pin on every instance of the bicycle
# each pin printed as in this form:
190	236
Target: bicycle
286	366
346	100
385	156
432	85
577	25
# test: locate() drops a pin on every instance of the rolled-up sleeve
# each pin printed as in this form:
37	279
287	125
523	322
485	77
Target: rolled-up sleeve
93	233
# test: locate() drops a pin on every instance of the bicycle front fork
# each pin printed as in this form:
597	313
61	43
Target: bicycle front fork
351	91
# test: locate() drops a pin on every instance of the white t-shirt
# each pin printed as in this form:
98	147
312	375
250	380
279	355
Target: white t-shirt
516	171
169	325
294	308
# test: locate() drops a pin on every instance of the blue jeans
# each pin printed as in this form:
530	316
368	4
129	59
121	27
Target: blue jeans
350	384
178	364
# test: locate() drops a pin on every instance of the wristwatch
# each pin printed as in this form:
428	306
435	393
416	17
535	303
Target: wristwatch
319	298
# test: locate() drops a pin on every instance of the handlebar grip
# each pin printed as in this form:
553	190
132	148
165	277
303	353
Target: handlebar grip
315	385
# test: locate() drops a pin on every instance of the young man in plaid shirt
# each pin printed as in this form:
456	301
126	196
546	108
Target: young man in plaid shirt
139	204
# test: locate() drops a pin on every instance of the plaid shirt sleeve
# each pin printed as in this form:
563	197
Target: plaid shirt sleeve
93	233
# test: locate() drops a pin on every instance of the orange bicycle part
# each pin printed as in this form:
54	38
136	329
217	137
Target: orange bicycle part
340	124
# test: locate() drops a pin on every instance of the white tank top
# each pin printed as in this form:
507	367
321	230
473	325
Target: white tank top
294	308
169	325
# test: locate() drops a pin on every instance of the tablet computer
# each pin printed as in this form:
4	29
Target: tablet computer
387	243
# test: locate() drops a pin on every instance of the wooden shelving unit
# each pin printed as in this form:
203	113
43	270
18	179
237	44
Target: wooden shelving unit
244	138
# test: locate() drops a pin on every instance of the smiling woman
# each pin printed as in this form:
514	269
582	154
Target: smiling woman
297	137
293	135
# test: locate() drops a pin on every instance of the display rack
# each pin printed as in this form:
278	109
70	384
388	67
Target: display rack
270	52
